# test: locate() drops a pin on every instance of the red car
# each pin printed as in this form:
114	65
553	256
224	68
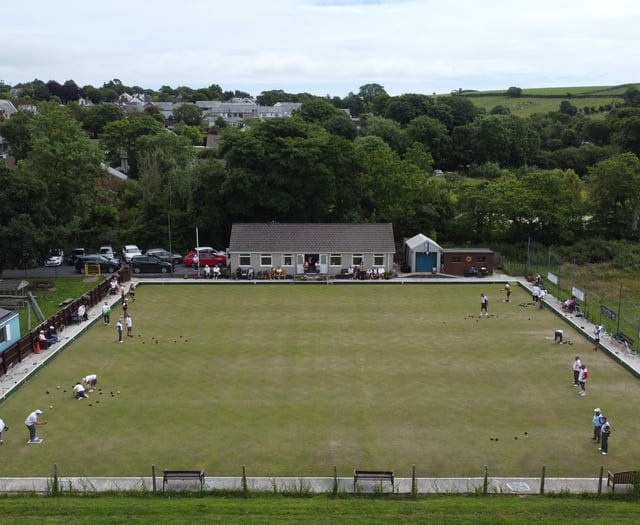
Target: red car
209	256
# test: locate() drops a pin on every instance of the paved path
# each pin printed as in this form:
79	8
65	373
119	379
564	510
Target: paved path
20	374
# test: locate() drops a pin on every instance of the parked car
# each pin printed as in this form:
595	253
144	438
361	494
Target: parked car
75	253
106	265
206	255
130	251
165	255
150	263
107	251
55	257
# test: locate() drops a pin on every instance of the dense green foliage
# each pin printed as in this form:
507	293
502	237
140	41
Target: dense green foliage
555	177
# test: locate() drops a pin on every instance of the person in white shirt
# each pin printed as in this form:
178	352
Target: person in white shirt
129	323
31	422
91	381
577	365
216	271
79	391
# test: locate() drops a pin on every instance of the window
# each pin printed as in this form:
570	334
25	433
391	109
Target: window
357	259
4	335
265	259
378	259
456	258
335	259
244	259
287	259
481	258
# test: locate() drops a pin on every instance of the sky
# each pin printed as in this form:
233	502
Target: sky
323	47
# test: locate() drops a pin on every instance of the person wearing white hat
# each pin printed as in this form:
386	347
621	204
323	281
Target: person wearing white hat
31	422
598	418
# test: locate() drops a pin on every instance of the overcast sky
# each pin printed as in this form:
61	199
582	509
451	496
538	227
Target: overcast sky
323	47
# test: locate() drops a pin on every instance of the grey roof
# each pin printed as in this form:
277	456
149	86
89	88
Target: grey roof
467	250
311	237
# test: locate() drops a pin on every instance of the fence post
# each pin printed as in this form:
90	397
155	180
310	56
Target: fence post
544	471
485	483
335	481
153	478
414	483
600	479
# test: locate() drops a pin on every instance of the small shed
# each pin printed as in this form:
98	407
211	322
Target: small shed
422	254
468	261
9	328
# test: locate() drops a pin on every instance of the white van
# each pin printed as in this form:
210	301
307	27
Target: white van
130	251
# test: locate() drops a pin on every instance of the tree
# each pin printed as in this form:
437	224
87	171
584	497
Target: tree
432	133
568	108
286	169
388	130
95	118
508	140
22	227
16	132
123	134
514	92
614	192
189	114
63	166
625	129
369	92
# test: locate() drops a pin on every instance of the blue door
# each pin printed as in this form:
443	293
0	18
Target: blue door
425	261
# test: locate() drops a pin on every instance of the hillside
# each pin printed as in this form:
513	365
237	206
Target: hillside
597	99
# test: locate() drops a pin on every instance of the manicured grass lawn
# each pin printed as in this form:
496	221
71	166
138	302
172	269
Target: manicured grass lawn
442	510
292	379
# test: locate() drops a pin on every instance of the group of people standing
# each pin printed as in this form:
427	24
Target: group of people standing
601	431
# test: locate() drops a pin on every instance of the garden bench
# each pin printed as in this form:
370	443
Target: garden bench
620	478
183	475
373	475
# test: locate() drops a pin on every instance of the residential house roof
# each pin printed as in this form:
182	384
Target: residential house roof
312	237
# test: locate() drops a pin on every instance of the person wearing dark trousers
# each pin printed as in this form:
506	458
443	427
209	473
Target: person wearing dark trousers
597	424
31	422
605	432
577	365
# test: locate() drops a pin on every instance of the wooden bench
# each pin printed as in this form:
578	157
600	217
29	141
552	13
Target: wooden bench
620	478
183	475
373	475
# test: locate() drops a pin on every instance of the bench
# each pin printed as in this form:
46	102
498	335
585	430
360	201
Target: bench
620	478
373	475
183	475
624	339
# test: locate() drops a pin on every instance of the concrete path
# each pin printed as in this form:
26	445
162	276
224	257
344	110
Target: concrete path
21	373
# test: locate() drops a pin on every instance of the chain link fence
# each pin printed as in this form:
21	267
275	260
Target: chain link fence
602	300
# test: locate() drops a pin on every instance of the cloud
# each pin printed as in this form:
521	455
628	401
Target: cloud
323	46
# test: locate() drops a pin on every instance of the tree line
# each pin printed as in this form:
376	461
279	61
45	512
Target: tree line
557	178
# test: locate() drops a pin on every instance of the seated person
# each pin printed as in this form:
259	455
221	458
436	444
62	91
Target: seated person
113	286
42	339
272	273
52	335
82	313
279	272
79	391
238	273
216	271
250	273
570	304
207	272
